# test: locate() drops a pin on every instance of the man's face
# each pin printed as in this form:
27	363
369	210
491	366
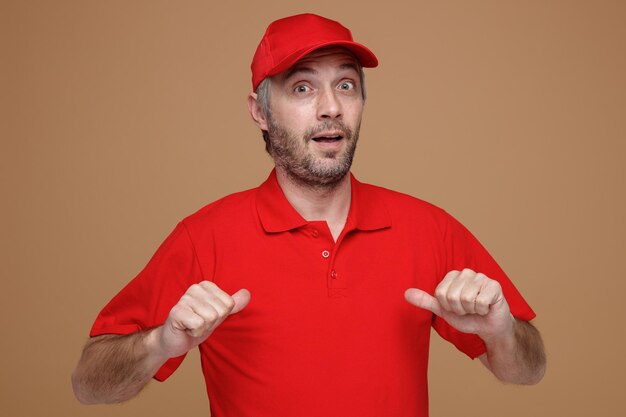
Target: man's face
315	116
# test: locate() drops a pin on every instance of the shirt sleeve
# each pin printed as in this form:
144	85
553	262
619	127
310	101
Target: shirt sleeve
147	300
463	250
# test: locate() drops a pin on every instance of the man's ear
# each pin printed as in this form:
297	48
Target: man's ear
255	111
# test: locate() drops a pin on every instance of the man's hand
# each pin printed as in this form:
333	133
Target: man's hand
114	368
473	303
468	301
192	320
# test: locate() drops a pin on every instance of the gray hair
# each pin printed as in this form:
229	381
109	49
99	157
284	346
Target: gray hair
263	99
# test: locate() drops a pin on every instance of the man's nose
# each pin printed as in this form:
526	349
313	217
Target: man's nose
329	105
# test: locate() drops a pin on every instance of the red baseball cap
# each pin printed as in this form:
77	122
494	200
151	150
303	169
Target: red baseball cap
291	38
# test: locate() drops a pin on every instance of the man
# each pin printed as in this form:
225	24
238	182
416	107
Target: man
301	294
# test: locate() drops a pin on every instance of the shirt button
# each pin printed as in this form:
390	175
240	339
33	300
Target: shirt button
333	274
315	233
325	254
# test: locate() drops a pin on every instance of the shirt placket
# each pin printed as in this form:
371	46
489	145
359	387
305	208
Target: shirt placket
327	252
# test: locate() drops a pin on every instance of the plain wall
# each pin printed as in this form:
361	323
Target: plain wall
121	117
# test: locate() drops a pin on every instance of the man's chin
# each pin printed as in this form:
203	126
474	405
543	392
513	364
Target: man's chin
329	173
318	175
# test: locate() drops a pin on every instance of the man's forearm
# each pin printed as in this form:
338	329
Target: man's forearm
517	358
114	368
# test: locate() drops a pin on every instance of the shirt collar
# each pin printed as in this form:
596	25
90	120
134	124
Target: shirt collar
367	209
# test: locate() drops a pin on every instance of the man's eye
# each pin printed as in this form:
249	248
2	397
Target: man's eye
346	85
301	89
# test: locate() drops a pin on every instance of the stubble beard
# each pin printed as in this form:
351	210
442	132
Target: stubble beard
293	155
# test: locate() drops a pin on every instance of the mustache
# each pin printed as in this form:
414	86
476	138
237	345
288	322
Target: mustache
336	125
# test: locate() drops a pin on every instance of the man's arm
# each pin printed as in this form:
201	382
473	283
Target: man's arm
519	359
473	303
115	368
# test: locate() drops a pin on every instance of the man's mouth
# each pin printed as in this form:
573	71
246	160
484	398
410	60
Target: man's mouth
328	137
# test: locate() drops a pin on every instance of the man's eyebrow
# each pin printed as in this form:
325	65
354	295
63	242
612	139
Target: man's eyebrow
349	66
298	69
308	70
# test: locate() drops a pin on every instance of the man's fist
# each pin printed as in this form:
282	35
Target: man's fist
469	301
198	312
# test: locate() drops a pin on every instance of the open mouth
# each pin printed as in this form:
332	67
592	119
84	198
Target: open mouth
328	138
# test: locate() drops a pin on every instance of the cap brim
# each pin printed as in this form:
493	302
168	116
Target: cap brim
366	57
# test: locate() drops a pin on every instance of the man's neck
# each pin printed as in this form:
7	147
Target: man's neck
330	204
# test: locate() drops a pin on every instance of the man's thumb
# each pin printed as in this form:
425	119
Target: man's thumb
423	300
241	298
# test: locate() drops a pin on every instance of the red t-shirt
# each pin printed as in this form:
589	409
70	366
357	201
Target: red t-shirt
327	331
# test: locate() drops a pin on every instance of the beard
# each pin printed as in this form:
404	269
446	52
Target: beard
292	153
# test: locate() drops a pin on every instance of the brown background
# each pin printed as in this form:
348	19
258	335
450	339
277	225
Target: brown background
121	117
